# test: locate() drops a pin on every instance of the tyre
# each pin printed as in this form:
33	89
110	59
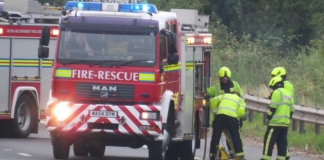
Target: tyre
80	148
96	149
25	116
172	152
155	150
61	147
187	150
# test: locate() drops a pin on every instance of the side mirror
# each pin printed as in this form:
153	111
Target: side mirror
173	58
172	42
45	36
43	52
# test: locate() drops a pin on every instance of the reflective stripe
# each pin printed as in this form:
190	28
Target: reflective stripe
267	145
239	154
281	102
63	73
237	102
146	77
281	158
266	157
281	116
217	89
226	108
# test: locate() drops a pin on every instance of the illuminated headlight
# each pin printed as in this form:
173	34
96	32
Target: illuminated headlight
207	40
61	111
150	115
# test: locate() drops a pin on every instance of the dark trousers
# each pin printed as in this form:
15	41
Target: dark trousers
220	123
241	124
275	135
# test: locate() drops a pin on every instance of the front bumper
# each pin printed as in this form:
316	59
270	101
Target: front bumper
124	119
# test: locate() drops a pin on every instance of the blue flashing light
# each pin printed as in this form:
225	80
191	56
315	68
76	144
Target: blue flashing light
97	6
137	8
90	6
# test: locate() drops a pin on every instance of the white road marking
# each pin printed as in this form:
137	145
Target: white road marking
24	154
43	121
196	158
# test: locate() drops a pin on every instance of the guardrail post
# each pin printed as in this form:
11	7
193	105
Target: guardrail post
294	125
251	117
317	129
301	127
265	118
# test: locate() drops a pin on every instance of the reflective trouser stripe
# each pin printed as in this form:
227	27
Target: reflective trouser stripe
239	154
266	149
264	157
281	158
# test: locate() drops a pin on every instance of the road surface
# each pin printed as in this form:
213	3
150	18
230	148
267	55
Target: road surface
38	147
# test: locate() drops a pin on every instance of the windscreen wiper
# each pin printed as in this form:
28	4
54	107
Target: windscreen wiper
102	62
75	62
133	61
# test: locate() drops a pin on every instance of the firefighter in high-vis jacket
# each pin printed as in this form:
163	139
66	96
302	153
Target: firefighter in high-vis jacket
280	112
280	71
226	85
227	108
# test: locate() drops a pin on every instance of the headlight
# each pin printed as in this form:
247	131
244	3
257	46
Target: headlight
61	111
150	115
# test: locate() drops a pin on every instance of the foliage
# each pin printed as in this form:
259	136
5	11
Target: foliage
252	62
295	139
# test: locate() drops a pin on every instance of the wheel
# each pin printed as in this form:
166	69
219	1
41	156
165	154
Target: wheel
172	152
24	118
155	150
188	150
96	149
61	147
80	148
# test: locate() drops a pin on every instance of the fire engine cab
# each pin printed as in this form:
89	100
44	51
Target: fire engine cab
126	74
25	78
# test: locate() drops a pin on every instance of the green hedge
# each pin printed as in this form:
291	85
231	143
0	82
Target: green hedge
252	62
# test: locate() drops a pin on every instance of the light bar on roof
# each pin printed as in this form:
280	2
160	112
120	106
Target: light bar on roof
111	7
90	6
146	8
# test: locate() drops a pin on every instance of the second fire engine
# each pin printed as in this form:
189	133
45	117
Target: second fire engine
126	74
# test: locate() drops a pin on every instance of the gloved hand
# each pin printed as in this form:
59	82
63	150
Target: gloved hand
244	117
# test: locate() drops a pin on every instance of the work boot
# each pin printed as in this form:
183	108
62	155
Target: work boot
212	156
240	158
231	154
287	158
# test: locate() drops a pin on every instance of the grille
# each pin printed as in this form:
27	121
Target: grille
111	91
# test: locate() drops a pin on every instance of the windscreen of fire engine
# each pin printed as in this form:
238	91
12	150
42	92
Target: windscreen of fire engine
106	48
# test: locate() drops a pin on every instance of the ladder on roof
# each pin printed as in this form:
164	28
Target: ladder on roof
29	11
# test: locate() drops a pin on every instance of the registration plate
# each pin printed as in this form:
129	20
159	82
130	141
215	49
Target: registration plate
108	114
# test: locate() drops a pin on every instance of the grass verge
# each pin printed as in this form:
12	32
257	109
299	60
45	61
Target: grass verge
308	142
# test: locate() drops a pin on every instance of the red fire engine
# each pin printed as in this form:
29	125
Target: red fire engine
24	84
128	75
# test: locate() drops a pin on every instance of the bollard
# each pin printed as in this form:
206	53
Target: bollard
294	125
251	117
301	127
317	129
265	118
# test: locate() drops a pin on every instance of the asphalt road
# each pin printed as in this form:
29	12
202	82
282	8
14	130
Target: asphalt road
38	147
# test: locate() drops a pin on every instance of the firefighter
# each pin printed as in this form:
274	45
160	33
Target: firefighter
226	85
280	71
279	115
227	109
